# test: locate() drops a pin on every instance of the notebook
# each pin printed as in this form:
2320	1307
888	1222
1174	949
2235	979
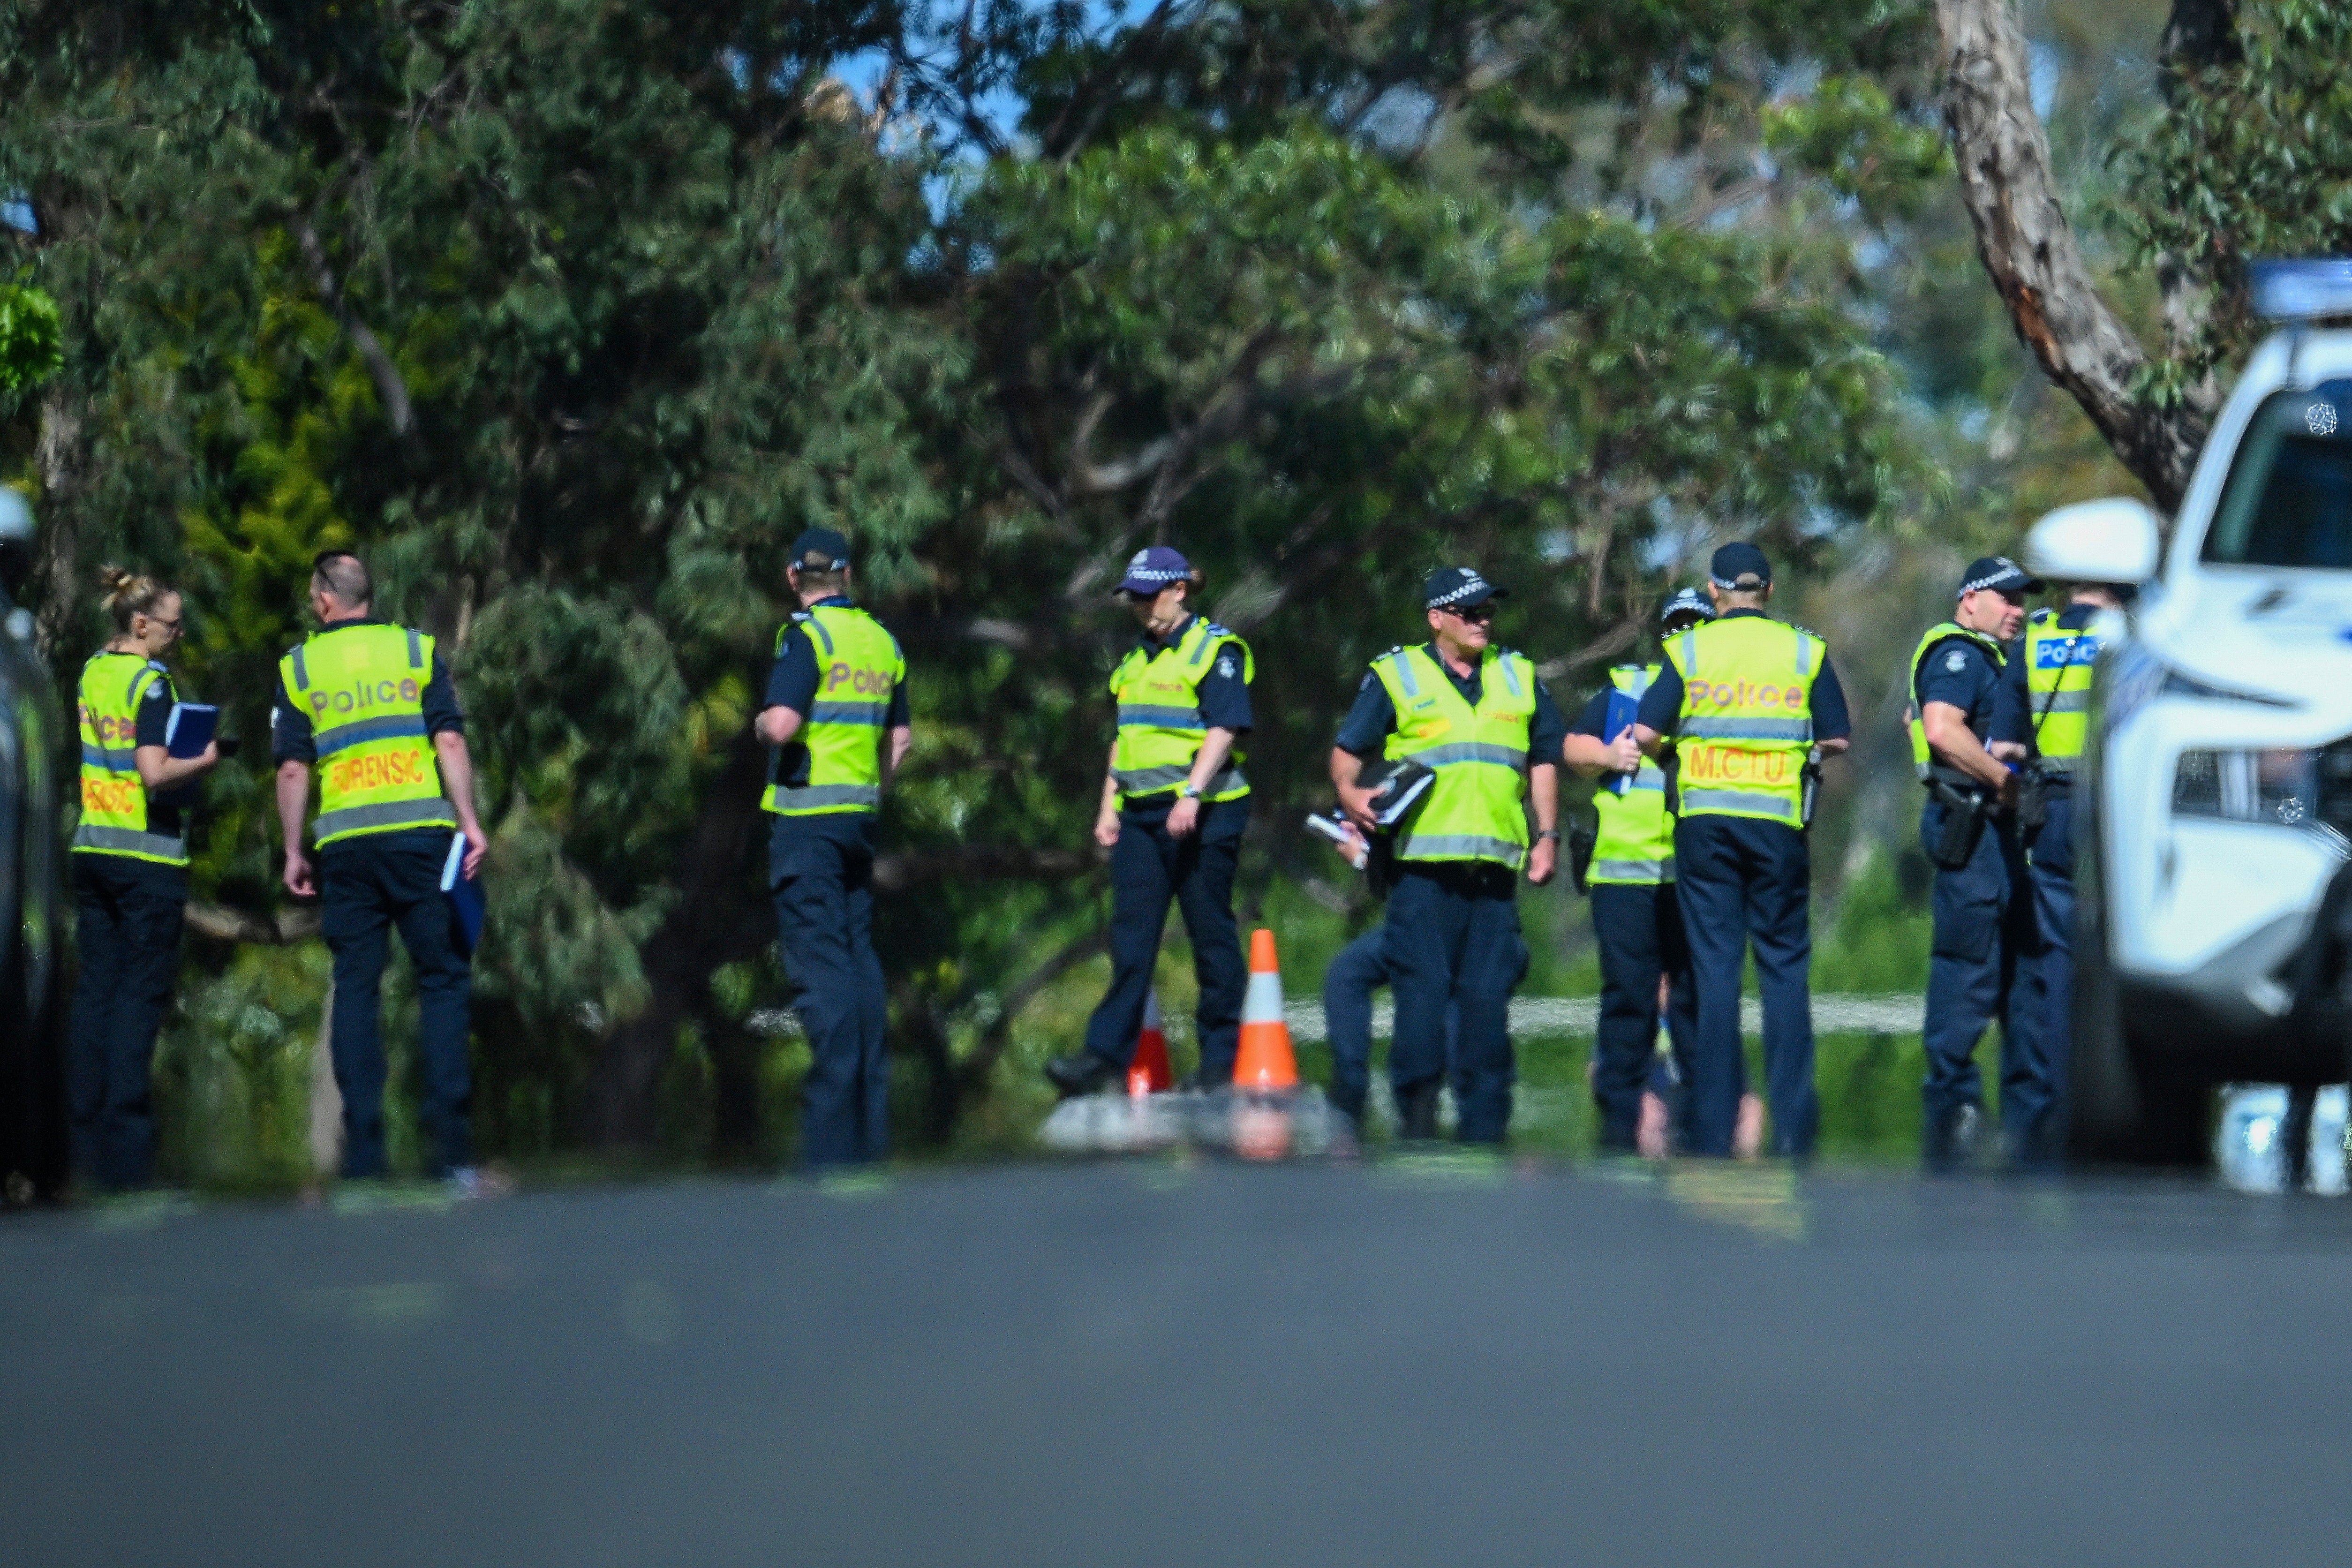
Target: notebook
467	904
1623	707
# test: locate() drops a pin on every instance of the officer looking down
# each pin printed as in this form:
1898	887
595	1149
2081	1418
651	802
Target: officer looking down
1174	804
835	713
1636	920
1743	703
372	702
1476	715
1983	910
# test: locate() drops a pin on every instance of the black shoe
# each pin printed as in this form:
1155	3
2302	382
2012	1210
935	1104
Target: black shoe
1955	1138
1417	1111
1082	1072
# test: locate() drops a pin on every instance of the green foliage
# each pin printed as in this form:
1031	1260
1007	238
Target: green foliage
31	348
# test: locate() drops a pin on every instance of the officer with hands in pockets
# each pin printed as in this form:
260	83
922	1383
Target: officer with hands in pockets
370	706
1984	929
835	715
1174	804
1744	702
1477	716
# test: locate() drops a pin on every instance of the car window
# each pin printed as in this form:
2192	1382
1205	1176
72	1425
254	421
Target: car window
2288	501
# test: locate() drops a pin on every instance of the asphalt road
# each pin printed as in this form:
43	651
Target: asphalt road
1115	1366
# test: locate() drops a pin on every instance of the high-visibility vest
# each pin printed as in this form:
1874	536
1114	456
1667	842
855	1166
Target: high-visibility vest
1472	812
2058	668
1635	845
858	667
1161	726
362	686
1747	720
1923	757
113	796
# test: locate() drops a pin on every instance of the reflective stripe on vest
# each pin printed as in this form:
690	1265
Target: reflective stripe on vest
1746	723
113	796
2058	665
361	686
1923	757
1635	841
858	668
1160	724
1472	812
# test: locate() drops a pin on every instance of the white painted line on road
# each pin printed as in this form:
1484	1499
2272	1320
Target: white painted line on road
1857	1013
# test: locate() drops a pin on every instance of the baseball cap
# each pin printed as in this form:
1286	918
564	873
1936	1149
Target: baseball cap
1739	568
1686	601
1459	588
1997	571
1153	569
823	542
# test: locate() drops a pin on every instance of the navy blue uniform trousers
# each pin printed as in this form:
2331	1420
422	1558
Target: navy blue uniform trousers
367	886
1453	939
128	929
1361	968
1640	932
1981	970
1740	880
1148	867
820	874
2050	865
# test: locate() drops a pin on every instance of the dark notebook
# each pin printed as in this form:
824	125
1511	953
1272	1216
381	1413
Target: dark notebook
467	904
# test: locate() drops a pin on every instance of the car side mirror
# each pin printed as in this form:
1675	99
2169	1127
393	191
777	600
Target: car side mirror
2112	540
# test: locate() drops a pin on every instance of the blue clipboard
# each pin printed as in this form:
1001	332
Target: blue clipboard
467	904
1623	709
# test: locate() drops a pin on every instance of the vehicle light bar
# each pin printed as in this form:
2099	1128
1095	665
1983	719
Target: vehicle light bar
2301	290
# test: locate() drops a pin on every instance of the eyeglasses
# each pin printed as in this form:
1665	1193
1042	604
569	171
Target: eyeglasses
171	626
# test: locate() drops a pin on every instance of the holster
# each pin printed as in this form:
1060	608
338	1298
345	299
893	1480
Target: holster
1581	841
1811	794
1964	821
2032	799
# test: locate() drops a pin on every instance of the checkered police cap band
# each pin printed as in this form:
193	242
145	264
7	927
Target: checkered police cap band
1141	569
1472	586
2006	574
1745	583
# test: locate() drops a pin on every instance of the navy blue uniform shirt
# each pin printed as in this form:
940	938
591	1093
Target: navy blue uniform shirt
1960	672
2014	719
1662	705
1373	717
289	727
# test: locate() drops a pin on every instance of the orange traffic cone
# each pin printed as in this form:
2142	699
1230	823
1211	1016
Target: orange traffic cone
1148	1071
1265	1061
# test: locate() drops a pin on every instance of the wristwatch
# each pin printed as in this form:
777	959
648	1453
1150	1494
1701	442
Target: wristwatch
1189	792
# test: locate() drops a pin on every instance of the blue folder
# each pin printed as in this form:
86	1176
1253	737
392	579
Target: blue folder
190	728
467	904
1623	707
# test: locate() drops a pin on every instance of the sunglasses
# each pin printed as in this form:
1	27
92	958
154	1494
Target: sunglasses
1479	613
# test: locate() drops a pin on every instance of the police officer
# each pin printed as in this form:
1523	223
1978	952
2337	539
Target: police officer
130	879
1174	804
1636	920
1742	702
1476	715
371	705
1983	912
836	715
1360	969
2050	699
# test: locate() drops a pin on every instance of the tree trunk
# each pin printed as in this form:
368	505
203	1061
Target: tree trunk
2029	249
59	459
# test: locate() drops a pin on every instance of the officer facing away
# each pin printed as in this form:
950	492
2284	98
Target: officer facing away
1477	716
835	715
1984	917
370	703
1636	918
1743	702
1174	804
2049	697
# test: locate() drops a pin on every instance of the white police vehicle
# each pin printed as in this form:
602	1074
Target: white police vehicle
2215	800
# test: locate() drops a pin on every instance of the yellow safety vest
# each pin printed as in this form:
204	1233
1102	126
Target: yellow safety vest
1923	759
113	796
362	686
1746	722
858	667
1161	725
2058	668
1472	812
1635	845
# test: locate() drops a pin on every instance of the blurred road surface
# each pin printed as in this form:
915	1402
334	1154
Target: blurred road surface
1415	1362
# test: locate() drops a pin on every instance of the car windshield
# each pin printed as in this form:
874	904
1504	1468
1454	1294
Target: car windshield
2288	501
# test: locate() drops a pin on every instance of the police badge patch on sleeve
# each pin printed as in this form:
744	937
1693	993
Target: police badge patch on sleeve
1956	661
1225	665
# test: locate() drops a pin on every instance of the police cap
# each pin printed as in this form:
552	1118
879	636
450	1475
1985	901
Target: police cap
820	550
